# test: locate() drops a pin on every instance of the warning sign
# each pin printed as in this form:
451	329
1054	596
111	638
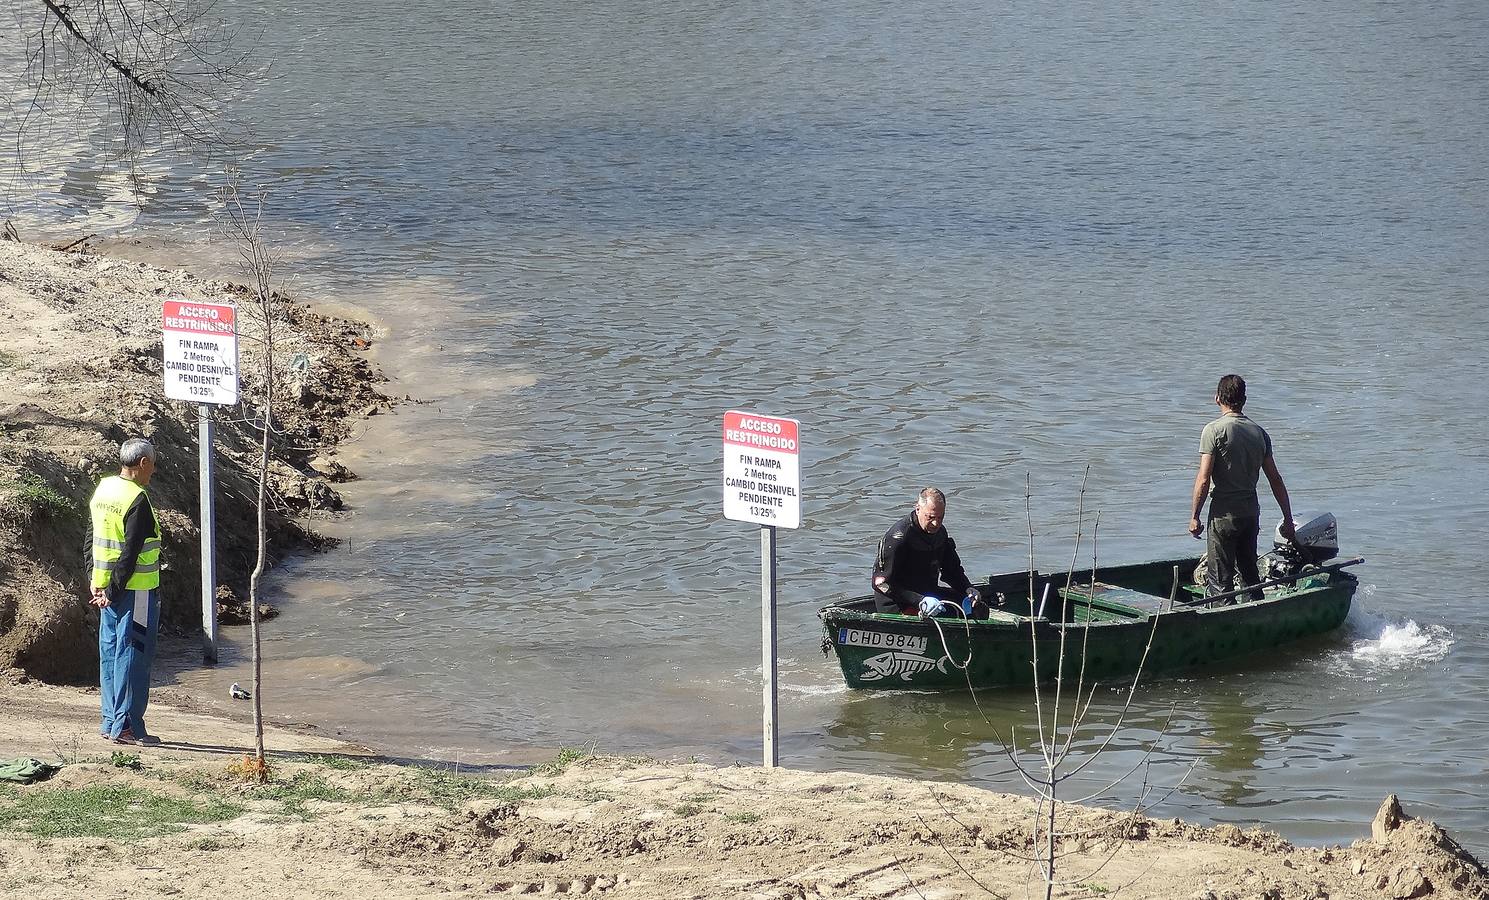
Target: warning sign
201	351
762	470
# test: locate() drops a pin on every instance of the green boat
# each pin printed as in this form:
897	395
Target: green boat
1109	617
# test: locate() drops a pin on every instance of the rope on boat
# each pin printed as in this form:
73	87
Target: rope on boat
967	624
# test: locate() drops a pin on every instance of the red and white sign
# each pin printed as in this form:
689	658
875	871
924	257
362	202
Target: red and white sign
762	469
201	351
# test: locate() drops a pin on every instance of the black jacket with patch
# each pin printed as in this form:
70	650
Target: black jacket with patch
913	560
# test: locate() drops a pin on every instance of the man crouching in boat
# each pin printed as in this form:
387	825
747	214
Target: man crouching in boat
914	553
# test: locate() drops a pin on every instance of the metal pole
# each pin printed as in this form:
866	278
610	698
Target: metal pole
768	643
208	530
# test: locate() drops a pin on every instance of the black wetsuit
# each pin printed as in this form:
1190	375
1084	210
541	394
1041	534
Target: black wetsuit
912	561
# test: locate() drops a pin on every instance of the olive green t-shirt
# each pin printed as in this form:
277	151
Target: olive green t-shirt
1237	447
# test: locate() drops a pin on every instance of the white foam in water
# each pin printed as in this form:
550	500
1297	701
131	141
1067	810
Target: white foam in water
815	690
1383	643
1408	642
786	668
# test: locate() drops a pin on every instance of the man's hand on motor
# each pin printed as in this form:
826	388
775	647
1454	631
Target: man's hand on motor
1288	531
881	584
974	593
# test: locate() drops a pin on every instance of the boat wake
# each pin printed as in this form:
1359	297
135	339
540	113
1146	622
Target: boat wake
1407	642
786	683
1380	643
814	690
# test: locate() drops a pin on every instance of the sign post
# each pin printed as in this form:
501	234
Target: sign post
201	366
769	692
762	484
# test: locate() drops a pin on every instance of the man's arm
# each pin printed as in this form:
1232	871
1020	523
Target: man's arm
96	596
889	551
1201	491
1279	490
952	571
137	522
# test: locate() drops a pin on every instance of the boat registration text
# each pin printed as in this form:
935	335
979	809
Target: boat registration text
855	637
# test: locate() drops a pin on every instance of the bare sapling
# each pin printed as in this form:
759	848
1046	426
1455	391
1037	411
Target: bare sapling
244	224
1057	733
1062	705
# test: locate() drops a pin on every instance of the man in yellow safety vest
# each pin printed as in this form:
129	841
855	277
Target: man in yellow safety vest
125	581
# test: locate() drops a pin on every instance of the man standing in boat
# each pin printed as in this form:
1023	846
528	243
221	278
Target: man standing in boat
914	554
1233	451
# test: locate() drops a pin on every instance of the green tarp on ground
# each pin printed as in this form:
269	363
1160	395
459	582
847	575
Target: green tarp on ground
25	770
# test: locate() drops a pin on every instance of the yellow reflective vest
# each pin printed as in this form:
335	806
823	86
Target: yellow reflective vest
109	504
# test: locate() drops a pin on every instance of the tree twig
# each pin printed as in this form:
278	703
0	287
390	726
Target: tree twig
66	247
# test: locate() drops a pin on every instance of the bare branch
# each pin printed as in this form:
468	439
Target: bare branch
955	861
908	880
1033	632
158	73
1080	514
105	56
1077	714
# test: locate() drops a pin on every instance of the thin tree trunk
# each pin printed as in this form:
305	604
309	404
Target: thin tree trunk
1049	838
253	595
263	266
259	261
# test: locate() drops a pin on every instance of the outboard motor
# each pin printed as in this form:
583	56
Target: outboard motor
1316	542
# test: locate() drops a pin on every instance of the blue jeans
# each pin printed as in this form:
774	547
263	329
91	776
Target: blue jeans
126	648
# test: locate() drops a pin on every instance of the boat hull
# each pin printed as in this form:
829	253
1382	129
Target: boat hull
893	652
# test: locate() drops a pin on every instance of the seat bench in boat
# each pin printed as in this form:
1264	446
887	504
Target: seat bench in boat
1101	602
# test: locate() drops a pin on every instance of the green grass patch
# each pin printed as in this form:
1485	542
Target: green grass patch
742	818
196	781
591	795
107	811
449	789
299	790
211	844
339	763
565	758
9	360
121	760
30	491
687	810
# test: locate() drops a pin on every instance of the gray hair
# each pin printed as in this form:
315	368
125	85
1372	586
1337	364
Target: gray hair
931	497
133	452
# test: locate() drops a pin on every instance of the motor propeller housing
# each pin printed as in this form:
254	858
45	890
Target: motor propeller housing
1316	540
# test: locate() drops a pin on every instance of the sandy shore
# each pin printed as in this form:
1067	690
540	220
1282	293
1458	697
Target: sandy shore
79	364
337	822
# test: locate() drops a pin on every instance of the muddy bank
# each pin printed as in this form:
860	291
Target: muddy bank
80	370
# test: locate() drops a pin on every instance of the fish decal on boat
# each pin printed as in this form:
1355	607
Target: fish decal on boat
898	662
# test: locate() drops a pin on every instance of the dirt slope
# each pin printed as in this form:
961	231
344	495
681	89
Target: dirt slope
80	370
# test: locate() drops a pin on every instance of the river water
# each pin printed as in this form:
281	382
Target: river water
964	245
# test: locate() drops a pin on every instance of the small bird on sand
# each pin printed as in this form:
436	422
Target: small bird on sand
237	693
